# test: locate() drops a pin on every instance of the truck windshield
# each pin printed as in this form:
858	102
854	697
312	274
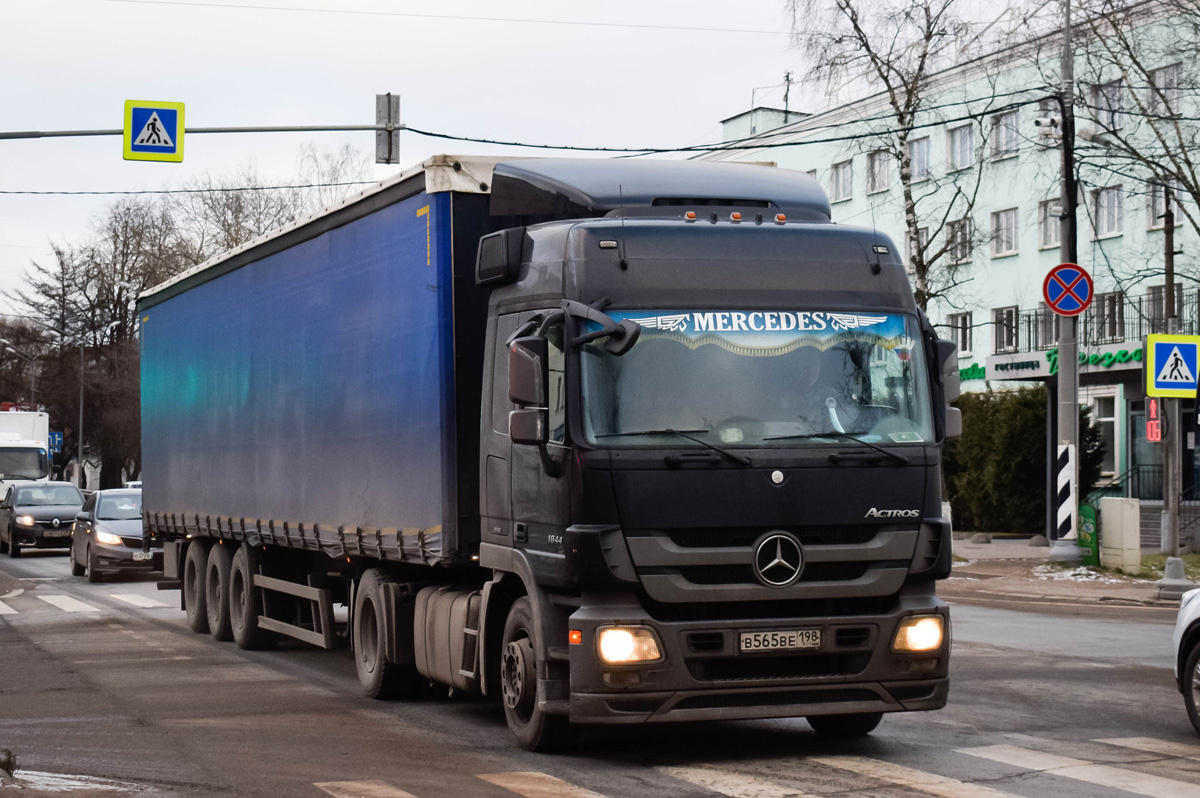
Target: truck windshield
759	378
23	463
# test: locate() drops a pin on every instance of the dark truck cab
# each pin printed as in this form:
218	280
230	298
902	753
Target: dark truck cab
704	480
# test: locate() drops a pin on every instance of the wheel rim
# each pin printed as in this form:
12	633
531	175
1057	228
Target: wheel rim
237	595
1196	686
214	587
517	677
368	635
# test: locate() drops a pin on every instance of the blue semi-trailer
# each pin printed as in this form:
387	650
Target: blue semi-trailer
618	442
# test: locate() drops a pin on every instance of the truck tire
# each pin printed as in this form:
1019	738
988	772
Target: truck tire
193	585
842	726
379	678
245	604
216	591
533	729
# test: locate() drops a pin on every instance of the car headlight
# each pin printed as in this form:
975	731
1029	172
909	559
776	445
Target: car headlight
918	634
25	520
105	537
625	645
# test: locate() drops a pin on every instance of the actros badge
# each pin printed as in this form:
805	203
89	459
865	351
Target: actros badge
778	560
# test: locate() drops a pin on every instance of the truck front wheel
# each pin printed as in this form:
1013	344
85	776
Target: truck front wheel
533	729
193	586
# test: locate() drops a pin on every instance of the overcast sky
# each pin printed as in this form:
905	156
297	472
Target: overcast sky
71	64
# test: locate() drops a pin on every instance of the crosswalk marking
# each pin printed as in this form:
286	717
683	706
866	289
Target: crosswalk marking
68	604
727	782
138	600
1152	746
907	777
362	789
6	610
1079	770
537	785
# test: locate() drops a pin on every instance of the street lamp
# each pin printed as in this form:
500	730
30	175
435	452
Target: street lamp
30	359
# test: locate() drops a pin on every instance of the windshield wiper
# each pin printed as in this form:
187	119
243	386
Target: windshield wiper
737	458
843	435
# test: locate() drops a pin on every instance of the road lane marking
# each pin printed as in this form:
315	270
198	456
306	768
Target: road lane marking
907	777
362	789
13	593
137	600
537	785
68	604
1153	746
1080	770
6	610
736	785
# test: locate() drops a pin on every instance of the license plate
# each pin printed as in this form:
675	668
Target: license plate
779	640
56	533
142	556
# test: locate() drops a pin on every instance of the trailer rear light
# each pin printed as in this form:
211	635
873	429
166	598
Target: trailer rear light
918	633
735	217
575	636
690	216
625	645
780	218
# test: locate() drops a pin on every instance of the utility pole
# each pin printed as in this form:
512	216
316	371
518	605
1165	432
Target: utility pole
1066	548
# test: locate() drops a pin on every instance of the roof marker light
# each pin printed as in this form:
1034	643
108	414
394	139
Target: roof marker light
780	218
608	245
735	217
879	249
690	216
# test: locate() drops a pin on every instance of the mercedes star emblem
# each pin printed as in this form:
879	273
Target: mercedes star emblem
778	560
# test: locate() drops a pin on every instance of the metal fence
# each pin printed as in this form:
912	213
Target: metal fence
1112	318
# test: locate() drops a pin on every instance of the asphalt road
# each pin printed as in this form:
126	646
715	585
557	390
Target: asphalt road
106	688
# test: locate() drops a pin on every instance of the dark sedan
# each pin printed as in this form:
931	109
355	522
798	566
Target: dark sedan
38	515
107	536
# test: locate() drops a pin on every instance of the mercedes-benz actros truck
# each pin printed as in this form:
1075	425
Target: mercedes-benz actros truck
615	442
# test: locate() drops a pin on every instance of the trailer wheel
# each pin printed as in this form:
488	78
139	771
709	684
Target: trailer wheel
193	586
245	605
378	677
216	591
533	729
853	725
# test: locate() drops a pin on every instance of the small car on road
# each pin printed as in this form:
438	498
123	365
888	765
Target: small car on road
38	515
107	536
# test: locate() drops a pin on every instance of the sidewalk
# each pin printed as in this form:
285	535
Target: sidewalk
1006	571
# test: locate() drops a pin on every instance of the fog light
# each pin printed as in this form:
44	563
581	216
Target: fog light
618	645
25	520
918	633
111	540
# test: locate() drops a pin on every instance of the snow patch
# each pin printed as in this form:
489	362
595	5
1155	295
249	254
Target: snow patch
1079	573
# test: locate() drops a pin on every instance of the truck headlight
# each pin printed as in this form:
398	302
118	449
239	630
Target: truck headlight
105	537
25	520
918	634
624	645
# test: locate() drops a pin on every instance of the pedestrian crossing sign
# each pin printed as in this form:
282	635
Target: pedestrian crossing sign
1171	365
153	131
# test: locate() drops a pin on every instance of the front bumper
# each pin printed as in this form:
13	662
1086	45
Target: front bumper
111	559
42	536
704	677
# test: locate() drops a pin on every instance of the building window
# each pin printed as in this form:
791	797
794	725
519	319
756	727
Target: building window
961	145
1004	324
916	246
1004	232
958	235
1049	122
1049	223
1106	104
1156	299
1046	328
918	158
1005	129
1107	317
960	331
879	171
1106	208
843	181
1104	417
1157	206
1163	94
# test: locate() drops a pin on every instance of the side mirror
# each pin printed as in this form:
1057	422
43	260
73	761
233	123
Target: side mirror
82	517
529	426
498	260
948	366
527	371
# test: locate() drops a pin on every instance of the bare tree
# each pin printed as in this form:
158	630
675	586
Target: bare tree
895	47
